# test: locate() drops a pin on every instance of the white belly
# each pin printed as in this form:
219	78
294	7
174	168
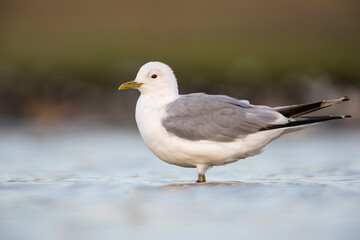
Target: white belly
186	153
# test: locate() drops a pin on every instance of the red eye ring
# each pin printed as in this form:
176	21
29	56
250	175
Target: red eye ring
154	76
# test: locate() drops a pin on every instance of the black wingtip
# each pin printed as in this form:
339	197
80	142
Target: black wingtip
345	98
299	121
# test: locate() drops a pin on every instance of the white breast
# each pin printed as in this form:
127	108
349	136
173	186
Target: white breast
149	112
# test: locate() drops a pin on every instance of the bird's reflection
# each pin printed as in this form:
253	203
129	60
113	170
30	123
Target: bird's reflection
207	184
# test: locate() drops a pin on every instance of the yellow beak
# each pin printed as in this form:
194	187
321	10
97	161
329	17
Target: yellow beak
131	84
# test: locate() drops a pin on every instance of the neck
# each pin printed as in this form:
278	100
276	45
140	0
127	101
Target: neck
160	97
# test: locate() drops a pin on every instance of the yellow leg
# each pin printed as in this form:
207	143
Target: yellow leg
201	178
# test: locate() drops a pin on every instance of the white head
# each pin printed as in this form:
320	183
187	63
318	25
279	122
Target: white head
154	78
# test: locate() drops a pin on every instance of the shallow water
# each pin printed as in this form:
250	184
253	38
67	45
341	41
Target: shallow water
102	183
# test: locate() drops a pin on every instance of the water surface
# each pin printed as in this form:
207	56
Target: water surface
101	182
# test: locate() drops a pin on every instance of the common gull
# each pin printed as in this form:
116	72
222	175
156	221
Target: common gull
201	131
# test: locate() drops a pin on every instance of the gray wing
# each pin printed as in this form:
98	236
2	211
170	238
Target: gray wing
220	118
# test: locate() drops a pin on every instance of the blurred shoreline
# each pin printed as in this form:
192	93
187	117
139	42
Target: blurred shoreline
95	104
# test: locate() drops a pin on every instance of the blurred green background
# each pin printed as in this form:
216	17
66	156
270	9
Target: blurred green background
63	60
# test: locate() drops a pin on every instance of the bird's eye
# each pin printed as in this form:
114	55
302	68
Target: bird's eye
154	76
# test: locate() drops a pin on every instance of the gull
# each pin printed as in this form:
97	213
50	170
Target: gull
201	131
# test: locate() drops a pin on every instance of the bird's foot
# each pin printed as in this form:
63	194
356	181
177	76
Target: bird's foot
201	178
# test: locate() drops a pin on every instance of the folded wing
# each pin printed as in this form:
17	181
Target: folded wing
219	118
